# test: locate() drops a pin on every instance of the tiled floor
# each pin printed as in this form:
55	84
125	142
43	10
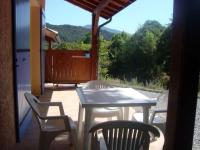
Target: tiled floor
67	95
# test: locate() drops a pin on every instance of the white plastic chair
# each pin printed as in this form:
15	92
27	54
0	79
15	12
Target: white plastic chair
123	135
50	126
107	112
158	114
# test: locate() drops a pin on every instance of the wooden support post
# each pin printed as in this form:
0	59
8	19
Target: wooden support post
184	76
94	52
95	38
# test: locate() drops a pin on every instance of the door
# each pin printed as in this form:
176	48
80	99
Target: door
42	49
21	28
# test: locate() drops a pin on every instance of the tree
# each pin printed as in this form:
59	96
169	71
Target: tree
103	57
134	57
163	50
163	56
87	39
116	55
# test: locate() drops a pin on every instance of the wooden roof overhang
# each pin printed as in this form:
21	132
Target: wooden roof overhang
107	8
51	35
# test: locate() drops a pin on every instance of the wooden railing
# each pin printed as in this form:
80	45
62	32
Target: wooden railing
67	66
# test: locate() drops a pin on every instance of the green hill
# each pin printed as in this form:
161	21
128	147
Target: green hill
70	33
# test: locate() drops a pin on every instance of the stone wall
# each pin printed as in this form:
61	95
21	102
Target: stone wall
7	117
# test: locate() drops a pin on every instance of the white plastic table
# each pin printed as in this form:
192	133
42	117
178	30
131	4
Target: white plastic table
108	97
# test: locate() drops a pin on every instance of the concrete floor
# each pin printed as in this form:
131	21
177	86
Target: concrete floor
67	95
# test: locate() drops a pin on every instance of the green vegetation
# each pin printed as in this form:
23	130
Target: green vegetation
103	57
152	86
139	60
143	56
72	46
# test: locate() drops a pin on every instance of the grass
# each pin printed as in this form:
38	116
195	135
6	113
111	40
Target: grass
151	86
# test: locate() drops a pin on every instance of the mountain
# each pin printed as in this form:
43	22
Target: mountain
105	29
71	33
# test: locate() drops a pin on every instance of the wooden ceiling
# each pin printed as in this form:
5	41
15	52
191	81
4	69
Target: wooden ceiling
106	8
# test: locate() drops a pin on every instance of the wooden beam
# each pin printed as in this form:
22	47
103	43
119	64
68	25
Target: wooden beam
94	5
88	6
119	3
94	51
184	76
101	5
111	8
106	8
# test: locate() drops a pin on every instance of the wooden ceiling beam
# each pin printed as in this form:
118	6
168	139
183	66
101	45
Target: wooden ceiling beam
113	5
94	5
106	8
117	3
110	8
76	3
101	6
122	6
122	2
114	9
87	7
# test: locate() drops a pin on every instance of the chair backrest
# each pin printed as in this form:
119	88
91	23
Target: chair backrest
125	135
35	106
159	112
97	84
162	100
33	102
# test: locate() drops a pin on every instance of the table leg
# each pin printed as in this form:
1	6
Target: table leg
126	113
146	114
88	112
80	128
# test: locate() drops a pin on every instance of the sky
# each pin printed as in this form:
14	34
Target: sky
60	12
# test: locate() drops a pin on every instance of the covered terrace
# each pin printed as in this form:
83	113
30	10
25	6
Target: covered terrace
74	67
184	73
181	92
